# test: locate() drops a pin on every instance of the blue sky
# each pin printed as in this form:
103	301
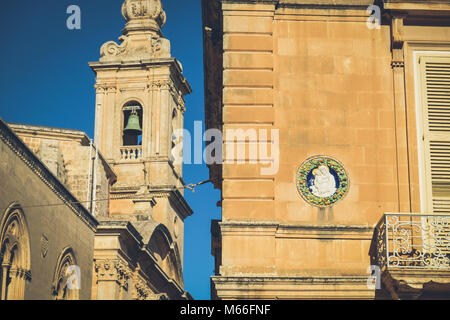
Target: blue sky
45	80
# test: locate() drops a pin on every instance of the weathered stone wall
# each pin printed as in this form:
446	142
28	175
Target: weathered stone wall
326	85
332	86
47	217
66	153
80	171
322	78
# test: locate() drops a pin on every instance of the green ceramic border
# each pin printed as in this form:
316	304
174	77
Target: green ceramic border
302	186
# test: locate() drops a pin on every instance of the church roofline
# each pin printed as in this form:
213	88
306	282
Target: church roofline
61	134
10	138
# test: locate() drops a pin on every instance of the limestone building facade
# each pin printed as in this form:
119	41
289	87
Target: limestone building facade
34	254
102	219
356	92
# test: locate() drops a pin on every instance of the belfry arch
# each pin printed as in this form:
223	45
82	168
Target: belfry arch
132	129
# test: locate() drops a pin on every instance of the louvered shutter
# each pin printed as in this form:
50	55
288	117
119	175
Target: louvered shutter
435	73
435	96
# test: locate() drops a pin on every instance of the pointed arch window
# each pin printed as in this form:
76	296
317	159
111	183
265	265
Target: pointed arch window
14	254
66	281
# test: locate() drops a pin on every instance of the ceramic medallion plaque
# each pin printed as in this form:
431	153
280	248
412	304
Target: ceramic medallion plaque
322	181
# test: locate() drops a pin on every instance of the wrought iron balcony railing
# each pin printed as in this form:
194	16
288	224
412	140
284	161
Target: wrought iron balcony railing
419	241
131	153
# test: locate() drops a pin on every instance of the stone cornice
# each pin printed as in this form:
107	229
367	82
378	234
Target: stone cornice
173	194
298	230
175	197
279	279
16	145
310	231
325	4
334	4
392	3
120	227
329	2
269	2
173	63
123	190
291	287
417	5
50	133
418	12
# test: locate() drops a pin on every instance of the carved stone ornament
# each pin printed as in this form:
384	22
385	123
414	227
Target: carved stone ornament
113	270
142	37
113	49
130	50
144	9
143	292
322	181
105	88
44	246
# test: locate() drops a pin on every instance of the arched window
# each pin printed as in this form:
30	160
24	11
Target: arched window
14	254
132	124
66	281
166	253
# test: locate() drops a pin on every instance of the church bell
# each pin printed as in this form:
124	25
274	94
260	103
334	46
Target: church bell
133	127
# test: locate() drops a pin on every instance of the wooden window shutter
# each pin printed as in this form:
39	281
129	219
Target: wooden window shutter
435	96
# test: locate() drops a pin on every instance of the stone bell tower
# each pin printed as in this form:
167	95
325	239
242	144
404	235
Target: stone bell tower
140	102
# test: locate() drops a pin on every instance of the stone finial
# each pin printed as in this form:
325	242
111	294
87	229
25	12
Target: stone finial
142	37
144	15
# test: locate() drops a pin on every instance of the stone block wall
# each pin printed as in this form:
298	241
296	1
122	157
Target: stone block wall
68	155
52	225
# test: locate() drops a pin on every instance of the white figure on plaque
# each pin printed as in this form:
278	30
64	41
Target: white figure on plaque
324	184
